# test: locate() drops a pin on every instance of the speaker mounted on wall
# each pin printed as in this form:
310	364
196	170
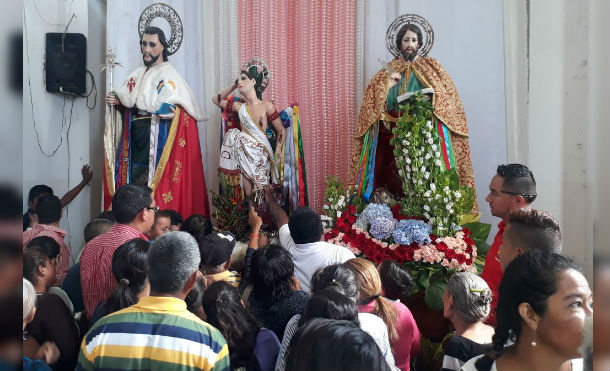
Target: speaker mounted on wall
66	63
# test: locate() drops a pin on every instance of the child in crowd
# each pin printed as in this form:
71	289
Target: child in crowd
216	249
163	222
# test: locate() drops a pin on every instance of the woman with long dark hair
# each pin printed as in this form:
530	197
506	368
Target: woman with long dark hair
129	270
327	344
251	346
542	305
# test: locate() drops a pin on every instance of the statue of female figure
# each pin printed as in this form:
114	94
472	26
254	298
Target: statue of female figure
246	150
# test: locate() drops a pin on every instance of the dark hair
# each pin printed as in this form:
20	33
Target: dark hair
96	227
108	214
518	179
326	344
37	190
194	298
152	30
271	271
532	229
48	209
197	225
253	73
224	310
176	217
129	270
331	304
305	225
338	277
530	278
47	244
32	259
129	200
395	280
403	30
163	214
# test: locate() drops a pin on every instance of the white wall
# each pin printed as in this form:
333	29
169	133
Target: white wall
559	120
62	170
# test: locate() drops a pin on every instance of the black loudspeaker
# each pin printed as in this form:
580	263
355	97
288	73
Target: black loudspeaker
66	61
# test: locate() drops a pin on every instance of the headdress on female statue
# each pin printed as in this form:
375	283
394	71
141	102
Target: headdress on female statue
414	19
257	69
161	10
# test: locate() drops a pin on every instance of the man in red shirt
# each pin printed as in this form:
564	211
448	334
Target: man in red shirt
134	210
512	188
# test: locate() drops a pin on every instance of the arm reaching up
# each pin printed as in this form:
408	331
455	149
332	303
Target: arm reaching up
87	175
279	215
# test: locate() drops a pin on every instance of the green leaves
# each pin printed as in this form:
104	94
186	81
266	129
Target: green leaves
434	293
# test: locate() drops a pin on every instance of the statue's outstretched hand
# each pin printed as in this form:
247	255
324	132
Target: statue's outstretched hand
393	79
111	99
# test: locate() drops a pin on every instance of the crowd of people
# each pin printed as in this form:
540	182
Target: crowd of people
153	290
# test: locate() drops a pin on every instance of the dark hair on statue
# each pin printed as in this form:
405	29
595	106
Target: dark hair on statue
531	278
338	277
253	73
271	271
129	270
48	209
224	310
395	280
403	30
197	226
152	30
305	225
326	344
129	200
518	179
47	244
330	303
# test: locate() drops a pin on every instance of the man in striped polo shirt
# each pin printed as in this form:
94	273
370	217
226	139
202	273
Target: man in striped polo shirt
158	333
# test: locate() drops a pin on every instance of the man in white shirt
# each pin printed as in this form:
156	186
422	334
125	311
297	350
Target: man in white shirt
301	235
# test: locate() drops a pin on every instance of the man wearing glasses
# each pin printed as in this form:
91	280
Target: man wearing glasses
134	210
512	188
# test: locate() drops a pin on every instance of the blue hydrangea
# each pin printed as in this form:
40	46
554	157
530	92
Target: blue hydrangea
382	228
372	212
411	230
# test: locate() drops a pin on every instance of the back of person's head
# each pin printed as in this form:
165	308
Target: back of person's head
197	225
175	218
38	190
46	244
305	225
338	277
471	296
325	344
395	280
129	200
518	180
215	249
370	290
331	304
96	227
194	298
271	272
533	229
224	310
33	258
172	259
108	214
129	271
29	299
530	278
48	209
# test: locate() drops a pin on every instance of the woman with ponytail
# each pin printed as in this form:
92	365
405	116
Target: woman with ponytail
402	329
542	305
129	270
251	346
